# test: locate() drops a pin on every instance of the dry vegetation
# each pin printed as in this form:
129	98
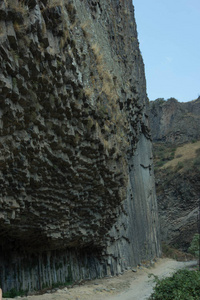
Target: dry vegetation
19	6
183	158
101	88
182	154
102	91
52	3
106	78
172	252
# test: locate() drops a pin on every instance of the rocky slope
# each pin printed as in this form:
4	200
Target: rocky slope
175	122
177	166
77	185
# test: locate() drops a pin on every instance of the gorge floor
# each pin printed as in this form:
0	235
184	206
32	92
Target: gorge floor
129	286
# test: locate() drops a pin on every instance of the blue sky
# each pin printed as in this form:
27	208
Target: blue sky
169	36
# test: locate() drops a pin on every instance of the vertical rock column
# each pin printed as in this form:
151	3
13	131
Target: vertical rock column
77	188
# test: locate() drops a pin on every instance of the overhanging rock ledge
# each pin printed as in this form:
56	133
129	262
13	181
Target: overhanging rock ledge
77	185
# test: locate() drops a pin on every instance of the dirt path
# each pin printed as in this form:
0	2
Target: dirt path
129	286
142	286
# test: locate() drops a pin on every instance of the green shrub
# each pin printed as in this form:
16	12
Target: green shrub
197	162
194	247
160	163
182	285
179	166
14	293
168	251
160	100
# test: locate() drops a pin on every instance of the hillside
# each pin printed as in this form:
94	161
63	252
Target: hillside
177	169
175	122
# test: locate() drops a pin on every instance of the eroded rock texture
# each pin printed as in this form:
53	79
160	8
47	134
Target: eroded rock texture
178	203
176	124
77	184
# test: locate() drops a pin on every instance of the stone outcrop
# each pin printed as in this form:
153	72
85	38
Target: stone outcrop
174	126
174	122
178	203
77	184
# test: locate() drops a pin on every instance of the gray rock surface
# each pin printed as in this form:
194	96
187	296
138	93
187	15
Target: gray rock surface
77	184
178	203
174	122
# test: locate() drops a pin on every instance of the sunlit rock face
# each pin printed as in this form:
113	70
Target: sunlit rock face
176	125
174	122
77	184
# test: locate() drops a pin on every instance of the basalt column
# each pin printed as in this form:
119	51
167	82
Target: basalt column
77	197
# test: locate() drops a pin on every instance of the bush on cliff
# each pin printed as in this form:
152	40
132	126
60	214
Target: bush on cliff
182	285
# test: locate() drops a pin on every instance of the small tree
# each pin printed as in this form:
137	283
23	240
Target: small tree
194	247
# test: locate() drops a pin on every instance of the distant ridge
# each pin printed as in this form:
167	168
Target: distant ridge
174	122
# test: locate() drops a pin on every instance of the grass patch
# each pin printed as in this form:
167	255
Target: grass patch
163	153
184	153
180	159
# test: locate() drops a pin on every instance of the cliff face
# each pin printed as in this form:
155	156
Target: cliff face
77	185
178	203
174	122
177	168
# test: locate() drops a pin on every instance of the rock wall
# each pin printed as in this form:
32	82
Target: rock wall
178	203
77	184
174	122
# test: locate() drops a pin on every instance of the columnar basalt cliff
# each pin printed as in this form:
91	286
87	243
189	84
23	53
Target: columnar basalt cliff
77	184
176	136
